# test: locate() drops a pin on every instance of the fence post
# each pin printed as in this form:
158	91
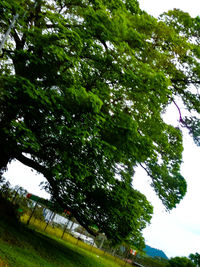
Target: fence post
71	226
50	218
16	193
127	254
102	241
32	213
65	227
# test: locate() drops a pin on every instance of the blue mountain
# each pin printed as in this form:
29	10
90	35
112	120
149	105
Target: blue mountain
154	252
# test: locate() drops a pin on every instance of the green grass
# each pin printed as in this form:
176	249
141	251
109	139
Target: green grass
56	232
21	246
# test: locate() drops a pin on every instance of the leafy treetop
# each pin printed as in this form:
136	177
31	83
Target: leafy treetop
84	85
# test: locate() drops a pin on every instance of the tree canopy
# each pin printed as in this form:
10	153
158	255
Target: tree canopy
195	258
180	262
84	86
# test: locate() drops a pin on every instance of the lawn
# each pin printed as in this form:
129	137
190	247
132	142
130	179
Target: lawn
21	246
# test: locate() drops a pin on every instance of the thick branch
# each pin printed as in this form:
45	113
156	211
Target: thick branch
18	41
31	163
186	81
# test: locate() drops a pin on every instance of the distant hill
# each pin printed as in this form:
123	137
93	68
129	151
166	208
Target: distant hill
154	252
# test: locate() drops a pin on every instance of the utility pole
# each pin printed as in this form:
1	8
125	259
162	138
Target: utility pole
8	31
11	26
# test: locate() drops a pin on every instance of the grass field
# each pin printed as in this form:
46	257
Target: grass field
21	246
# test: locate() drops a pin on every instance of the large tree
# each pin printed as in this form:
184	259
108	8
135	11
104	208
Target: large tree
195	258
84	85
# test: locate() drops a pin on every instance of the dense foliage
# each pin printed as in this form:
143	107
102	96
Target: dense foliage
9	209
195	258
180	262
83	86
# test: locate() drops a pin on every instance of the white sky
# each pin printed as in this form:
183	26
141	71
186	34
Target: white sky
177	233
156	7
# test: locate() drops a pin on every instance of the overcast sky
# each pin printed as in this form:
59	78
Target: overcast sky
156	7
177	233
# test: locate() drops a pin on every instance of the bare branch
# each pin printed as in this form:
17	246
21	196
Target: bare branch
180	116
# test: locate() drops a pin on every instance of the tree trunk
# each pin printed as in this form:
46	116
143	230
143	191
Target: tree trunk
5	158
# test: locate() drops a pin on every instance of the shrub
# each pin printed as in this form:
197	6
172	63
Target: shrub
9	211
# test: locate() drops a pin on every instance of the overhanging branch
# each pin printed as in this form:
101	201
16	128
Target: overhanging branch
33	164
